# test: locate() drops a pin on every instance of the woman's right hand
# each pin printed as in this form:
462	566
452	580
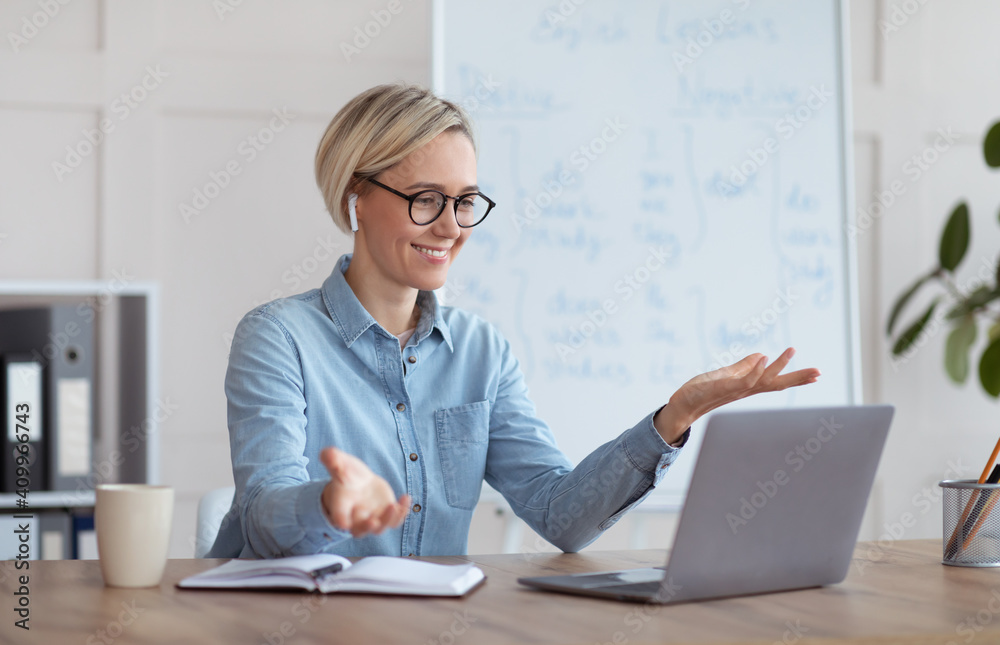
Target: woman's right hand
358	500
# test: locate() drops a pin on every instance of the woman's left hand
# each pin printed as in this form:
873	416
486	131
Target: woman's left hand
705	392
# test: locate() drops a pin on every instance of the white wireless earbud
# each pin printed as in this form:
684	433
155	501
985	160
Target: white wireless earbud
352	201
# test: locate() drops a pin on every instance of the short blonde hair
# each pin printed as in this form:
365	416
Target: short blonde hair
375	131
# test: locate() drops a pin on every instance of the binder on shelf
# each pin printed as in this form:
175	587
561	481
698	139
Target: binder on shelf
84	537
61	338
18	536
22	444
56	527
36	535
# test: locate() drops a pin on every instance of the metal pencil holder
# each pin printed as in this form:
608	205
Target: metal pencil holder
971	523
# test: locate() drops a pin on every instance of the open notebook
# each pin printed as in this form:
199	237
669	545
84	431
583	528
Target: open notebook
329	573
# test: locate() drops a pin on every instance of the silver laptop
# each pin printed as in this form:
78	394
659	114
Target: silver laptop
775	503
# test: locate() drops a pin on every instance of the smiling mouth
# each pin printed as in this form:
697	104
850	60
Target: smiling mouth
430	252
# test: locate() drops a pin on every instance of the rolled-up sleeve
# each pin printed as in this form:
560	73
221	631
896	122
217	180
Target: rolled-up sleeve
280	508
570	507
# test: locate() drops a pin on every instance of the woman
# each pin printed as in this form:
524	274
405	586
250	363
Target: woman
343	397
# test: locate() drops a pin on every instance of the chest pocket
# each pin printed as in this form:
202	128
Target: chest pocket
462	438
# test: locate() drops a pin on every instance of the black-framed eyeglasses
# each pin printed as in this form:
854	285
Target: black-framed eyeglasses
427	205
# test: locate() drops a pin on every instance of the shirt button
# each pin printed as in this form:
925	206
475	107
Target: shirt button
412	359
413	456
400	407
416	508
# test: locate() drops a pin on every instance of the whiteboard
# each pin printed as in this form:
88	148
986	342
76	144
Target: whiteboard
673	185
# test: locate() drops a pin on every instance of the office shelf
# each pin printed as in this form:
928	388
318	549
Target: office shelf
48	499
125	388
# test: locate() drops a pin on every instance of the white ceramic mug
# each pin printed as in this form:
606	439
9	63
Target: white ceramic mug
133	533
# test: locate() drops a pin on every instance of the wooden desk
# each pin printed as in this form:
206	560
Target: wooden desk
906	596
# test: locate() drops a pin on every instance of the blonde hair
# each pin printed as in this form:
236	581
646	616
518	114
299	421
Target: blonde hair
375	131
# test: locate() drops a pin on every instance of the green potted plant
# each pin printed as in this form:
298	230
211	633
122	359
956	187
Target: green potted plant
965	308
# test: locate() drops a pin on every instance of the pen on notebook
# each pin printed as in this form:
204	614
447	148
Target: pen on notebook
325	571
953	541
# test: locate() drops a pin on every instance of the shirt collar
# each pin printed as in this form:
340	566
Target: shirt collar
352	319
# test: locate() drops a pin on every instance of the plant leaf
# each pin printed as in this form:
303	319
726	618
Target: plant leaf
913	331
955	238
956	349
980	297
991	146
994	332
901	302
989	369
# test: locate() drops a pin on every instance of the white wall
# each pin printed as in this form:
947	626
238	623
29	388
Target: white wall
931	74
227	73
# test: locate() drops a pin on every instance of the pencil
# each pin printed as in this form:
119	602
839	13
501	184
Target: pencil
982	517
953	540
977	511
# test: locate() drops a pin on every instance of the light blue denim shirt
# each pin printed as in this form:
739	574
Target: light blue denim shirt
434	419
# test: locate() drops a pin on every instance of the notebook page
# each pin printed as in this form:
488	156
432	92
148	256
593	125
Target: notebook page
253	573
403	575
